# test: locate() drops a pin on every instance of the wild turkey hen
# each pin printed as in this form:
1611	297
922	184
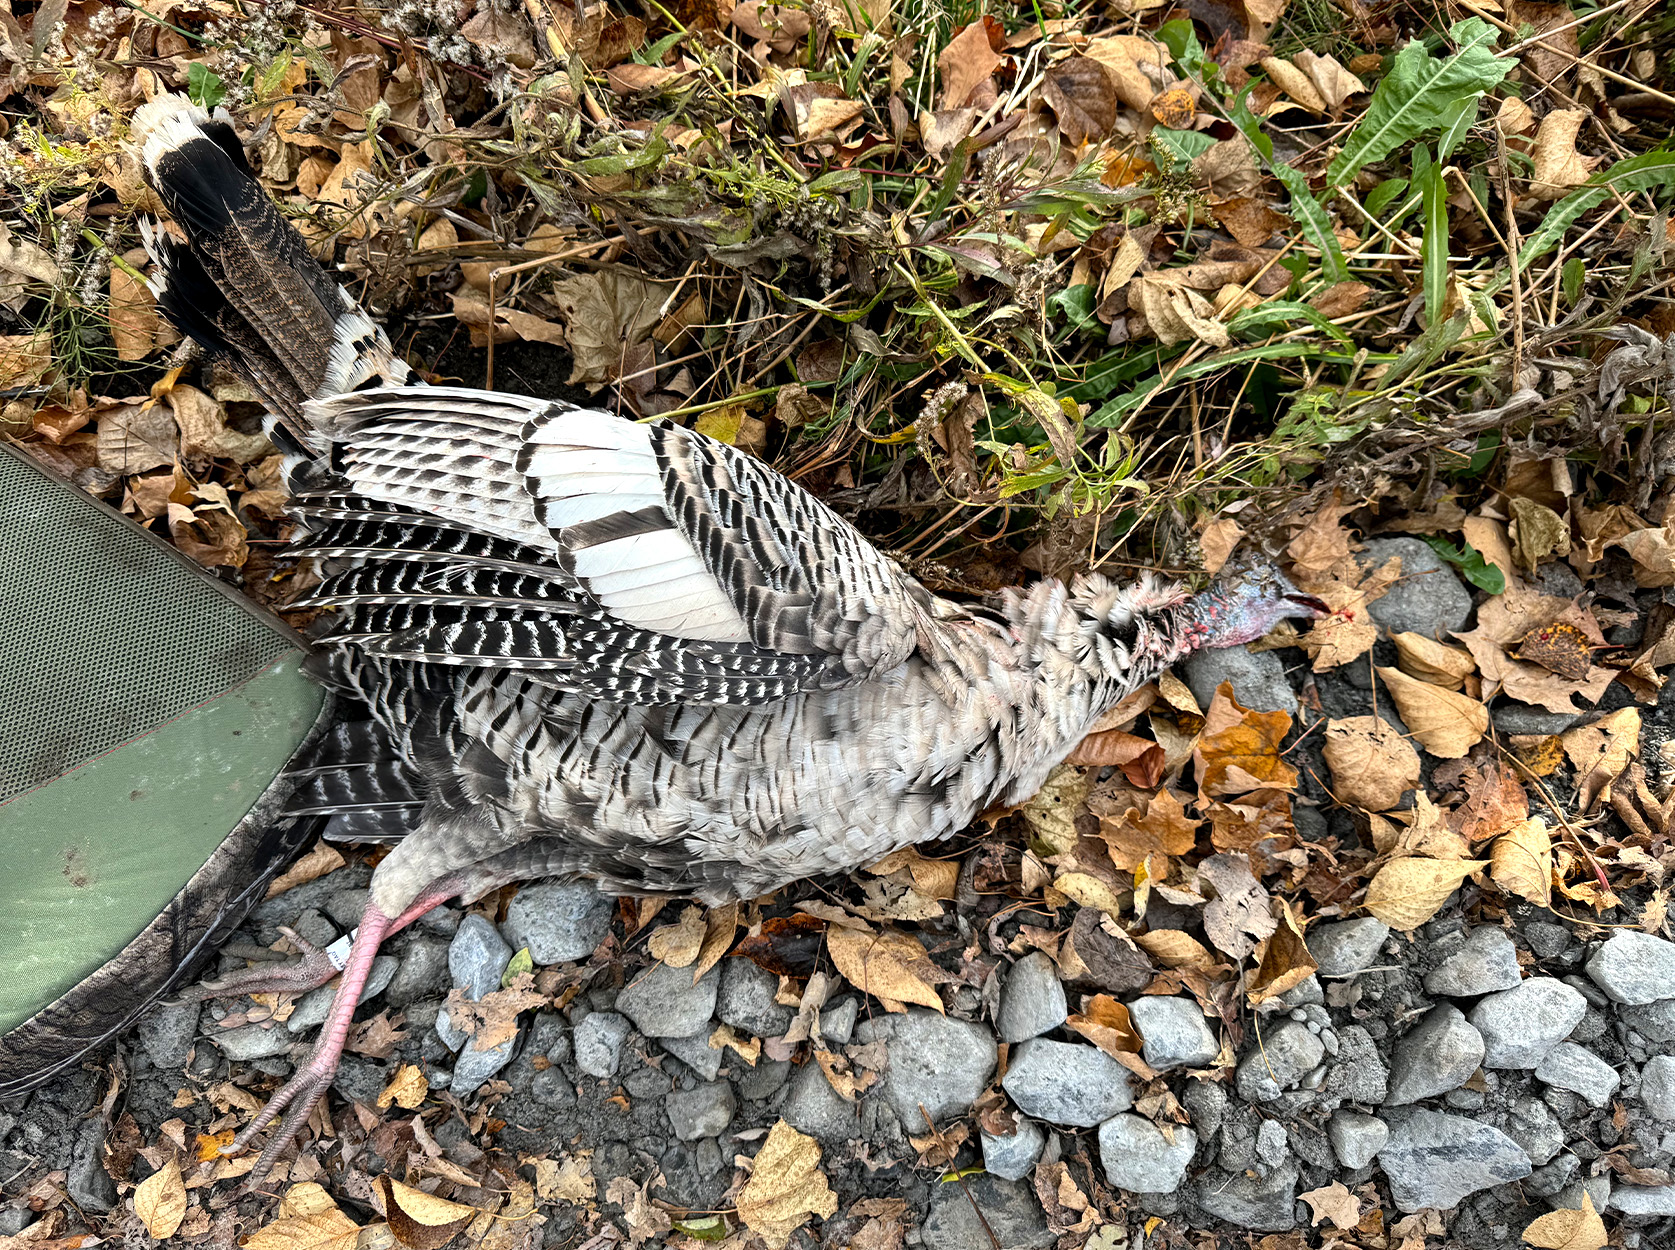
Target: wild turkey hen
603	649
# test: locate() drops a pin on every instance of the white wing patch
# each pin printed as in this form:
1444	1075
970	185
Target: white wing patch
586	467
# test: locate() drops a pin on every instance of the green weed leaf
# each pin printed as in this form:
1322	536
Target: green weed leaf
1471	564
204	86
1422	93
1317	226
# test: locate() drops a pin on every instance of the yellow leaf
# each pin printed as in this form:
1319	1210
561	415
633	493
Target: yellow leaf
890	965
419	1220
786	1186
1051	813
308	1220
1174	948
1521	861
678	944
407	1088
719	927
1601	751
1407	892
1429	660
1372	765
160	1200
569	1180
1568	1230
1446	723
1089	891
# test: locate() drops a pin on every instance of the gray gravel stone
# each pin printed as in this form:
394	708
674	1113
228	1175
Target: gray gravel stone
1643	1200
1032	1000
477	959
1206	1103
168	1031
812	1106
1634	968
559	921
1174	1031
1520	1025
313	1007
1276	1060
90	1186
663	1002
1011	1157
1488	962
1428	599
1272	1146
702	1112
1259	680
423	973
697	1053
1657	1088
1569	1066
837	1020
1597	1189
1346	946
746	1000
1011	1216
1521	718
1438	1054
1358	1073
472	1066
1434	1160
1356	1137
1067	1082
599	1041
1139	1158
1265	1204
936	1062
1530	1123
252	1041
1653	1021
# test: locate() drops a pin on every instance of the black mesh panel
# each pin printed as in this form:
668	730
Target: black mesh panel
104	632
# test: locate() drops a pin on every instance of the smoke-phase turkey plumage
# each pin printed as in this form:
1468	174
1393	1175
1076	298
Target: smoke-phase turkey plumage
590	647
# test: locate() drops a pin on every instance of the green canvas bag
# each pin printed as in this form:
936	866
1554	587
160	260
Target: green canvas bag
147	711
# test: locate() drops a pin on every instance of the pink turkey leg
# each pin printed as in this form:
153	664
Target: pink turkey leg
309	1085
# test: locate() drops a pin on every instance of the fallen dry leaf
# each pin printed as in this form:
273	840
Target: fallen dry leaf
1174	948
420	1220
1087	890
966	63
1051	811
786	1186
1558	165
1105	1023
678	944
1447	723
1432	661
1559	648
1568	1230
1600	752
1140	759
160	1200
1238	917
1405	893
1372	765
566	1180
1283	961
1521	861
307	1219
1240	750
890	965
1082	97
407	1088
1131	837
1334	1202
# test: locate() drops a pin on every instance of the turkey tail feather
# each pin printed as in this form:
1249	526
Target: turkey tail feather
245	285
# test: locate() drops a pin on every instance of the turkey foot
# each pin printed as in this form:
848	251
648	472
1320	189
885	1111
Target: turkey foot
296	976
300	1094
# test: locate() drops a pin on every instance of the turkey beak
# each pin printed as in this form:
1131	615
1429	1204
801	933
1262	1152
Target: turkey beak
1313	605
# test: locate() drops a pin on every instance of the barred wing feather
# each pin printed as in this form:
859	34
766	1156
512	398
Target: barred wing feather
676	546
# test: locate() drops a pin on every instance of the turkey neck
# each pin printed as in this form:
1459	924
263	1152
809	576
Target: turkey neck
1068	654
